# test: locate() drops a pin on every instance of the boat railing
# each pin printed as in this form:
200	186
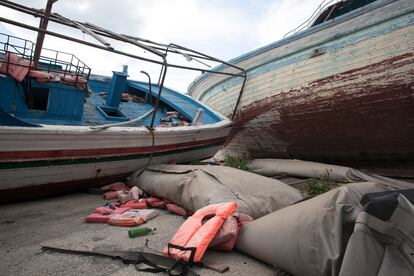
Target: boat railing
69	68
318	11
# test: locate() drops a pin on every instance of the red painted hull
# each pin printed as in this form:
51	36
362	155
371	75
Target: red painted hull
362	118
101	152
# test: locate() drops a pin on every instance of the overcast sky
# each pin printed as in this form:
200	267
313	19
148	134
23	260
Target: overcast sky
222	28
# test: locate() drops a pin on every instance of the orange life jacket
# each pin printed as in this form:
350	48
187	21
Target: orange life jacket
73	79
17	68
40	75
193	237
133	217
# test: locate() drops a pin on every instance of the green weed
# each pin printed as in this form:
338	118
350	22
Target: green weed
236	162
321	185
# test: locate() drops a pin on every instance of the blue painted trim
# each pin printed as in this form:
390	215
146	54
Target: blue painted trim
207	118
9	120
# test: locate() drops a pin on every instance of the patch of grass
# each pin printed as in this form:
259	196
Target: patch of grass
320	186
236	162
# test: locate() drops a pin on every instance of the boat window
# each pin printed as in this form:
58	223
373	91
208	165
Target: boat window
339	9
38	98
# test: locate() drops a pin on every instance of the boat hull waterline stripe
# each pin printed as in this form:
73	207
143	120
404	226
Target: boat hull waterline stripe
72	161
66	153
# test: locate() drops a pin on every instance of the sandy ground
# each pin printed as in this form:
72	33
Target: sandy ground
25	227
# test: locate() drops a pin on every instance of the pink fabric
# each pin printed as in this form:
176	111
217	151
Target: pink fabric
117	186
135	192
103	211
243	219
97	218
123	196
156	202
40	75
135	205
18	69
73	79
3	68
110	195
133	217
229	232
227	236
176	209
104	214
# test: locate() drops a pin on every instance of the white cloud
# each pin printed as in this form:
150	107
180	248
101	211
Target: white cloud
284	16
224	29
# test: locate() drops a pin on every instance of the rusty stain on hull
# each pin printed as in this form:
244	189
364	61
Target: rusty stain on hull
363	118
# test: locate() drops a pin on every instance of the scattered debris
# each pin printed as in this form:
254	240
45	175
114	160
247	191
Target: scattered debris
156	203
126	97
133	217
155	263
175	209
140	231
174	119
104	214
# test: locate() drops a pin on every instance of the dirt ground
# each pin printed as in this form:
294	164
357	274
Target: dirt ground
58	222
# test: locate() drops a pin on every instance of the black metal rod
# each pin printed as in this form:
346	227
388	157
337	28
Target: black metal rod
95	29
5	20
125	39
58	19
218	60
149	86
205	70
161	85
239	98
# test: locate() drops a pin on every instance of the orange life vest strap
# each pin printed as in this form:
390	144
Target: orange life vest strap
182	248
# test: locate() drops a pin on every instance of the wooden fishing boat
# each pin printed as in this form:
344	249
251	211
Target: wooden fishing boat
340	91
62	128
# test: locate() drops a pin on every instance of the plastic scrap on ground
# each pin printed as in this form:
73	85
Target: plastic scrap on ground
131	208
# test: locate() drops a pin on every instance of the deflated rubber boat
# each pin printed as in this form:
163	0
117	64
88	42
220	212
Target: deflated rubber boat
361	228
194	187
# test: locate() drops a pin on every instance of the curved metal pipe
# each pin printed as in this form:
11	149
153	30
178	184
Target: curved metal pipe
149	86
161	85
240	94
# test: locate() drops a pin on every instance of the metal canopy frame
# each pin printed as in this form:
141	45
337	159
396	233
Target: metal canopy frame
159	50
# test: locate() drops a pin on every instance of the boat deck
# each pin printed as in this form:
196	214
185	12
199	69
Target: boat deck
91	116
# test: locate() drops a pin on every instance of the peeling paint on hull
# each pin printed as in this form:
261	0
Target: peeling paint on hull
365	121
353	104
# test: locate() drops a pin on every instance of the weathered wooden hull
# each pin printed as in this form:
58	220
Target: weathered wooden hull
341	93
53	159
